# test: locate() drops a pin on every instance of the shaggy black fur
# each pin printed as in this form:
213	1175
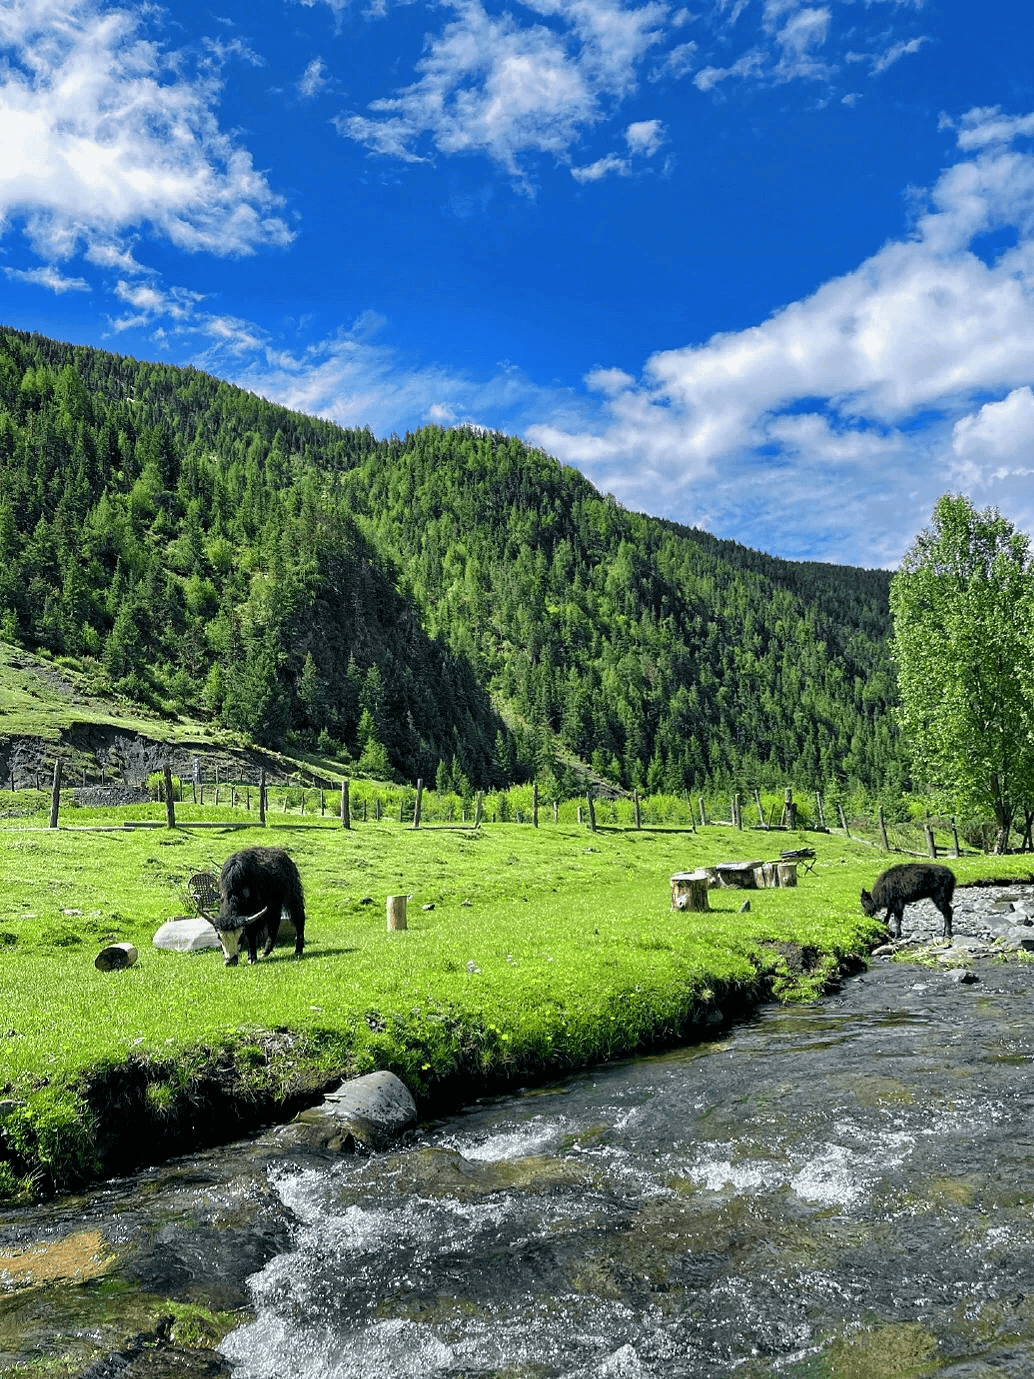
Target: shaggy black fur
255	886
899	886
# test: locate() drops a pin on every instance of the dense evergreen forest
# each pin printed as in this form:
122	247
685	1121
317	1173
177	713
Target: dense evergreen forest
451	605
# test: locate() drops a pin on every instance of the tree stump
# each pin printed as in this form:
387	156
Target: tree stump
786	873
689	891
397	911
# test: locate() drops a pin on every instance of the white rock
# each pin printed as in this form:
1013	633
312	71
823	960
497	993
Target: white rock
186	935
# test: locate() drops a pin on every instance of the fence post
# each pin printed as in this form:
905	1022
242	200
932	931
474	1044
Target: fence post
55	797
346	815
477	808
170	805
883	830
931	846
535	803
703	816
761	813
955	836
416	807
592	811
262	797
843	820
818	809
638	809
789	808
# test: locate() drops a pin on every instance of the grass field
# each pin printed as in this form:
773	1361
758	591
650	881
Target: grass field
545	949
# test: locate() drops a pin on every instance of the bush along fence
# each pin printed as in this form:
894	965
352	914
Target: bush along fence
223	801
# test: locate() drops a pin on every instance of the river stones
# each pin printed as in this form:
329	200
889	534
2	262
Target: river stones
990	922
367	1112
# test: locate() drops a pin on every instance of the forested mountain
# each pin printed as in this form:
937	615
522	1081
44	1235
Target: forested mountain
453	604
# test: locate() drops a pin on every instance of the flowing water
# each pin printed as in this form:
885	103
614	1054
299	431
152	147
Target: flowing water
844	1189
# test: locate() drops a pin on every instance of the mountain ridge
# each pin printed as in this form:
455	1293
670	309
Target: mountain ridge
451	604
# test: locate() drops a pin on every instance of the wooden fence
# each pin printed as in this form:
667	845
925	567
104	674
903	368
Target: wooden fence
347	803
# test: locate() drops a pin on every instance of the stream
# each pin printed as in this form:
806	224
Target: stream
843	1189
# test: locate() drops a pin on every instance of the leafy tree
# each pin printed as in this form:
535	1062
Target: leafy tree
962	603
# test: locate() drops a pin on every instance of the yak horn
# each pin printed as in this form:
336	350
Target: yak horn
241	921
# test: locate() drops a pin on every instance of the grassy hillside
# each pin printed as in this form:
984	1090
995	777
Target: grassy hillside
451	605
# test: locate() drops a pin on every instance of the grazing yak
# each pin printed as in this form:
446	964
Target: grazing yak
899	886
255	886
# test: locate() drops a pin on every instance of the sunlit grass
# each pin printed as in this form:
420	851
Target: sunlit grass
544	948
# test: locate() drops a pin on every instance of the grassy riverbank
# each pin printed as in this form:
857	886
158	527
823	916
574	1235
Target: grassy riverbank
545	949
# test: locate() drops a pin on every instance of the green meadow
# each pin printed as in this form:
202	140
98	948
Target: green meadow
528	951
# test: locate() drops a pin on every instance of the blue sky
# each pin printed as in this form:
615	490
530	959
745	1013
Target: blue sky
761	266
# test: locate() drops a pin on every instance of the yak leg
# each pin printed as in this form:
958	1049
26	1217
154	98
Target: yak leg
274	930
947	912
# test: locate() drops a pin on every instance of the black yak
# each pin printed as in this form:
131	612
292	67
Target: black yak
255	886
899	886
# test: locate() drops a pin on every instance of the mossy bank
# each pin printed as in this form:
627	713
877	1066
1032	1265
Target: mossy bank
528	952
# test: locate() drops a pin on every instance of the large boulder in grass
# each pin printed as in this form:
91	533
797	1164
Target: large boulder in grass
186	935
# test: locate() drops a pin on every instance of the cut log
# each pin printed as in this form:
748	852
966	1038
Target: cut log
689	891
397	911
115	957
737	874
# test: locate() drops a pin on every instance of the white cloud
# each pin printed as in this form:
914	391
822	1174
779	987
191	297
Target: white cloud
749	65
352	379
897	51
997	442
595	172
488	84
870	383
676	63
538	77
314	78
645	137
802	33
102	131
49	277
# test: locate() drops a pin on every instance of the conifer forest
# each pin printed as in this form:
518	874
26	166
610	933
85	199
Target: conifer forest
451	605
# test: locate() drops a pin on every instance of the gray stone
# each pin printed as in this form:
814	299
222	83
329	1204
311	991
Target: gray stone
1016	940
744	908
963	976
367	1112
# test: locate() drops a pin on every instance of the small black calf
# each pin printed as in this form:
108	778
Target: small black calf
899	886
